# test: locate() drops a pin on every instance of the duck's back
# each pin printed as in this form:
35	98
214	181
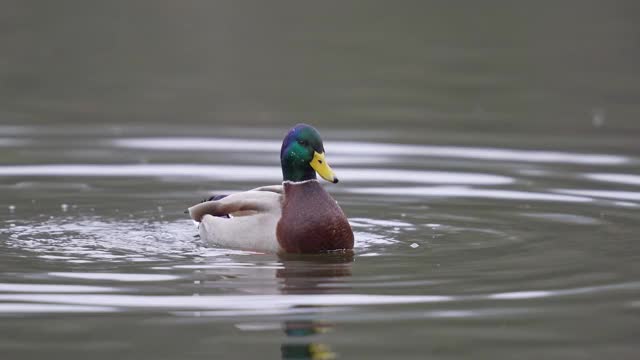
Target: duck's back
311	220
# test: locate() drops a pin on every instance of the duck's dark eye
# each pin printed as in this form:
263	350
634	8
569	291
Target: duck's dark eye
302	142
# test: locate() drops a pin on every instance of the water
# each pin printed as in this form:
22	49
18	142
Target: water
488	165
496	250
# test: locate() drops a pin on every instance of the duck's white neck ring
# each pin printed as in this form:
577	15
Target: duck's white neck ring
298	182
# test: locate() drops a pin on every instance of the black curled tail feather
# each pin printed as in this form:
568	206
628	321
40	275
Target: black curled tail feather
214	198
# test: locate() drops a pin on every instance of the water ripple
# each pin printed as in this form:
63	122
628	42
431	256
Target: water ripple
241	303
22	308
627	179
9	142
128	277
248	173
369	149
459	191
53	288
610	194
225	302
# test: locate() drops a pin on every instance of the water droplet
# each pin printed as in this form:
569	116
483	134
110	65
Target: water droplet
414	245
598	117
159	208
64	207
12	208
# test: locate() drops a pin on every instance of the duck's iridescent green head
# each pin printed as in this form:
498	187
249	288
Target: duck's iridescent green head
302	155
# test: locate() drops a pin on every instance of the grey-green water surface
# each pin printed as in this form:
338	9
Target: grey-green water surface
488	156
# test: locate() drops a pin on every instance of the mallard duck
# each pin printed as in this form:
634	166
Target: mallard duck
298	216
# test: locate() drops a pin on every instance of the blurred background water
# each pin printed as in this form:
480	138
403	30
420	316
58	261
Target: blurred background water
488	153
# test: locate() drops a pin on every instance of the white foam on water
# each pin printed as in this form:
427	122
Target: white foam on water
95	239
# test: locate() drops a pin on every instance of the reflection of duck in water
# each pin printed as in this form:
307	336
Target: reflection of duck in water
314	274
311	350
298	216
307	274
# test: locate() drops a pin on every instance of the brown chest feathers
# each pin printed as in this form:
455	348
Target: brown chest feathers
311	220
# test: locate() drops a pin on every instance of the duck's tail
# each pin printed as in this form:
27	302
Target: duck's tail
202	207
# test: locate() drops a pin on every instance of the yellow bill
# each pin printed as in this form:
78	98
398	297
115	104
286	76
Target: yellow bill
322	168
